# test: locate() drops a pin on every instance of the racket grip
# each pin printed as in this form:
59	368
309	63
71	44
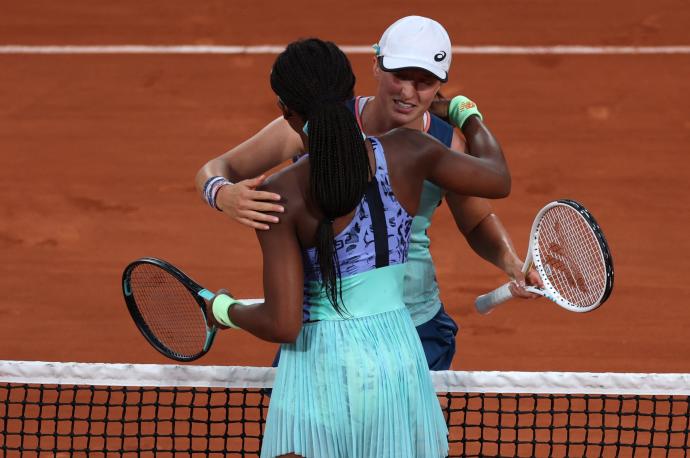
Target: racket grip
487	302
206	294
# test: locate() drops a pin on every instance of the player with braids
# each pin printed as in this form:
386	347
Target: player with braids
352	381
412	61
339	164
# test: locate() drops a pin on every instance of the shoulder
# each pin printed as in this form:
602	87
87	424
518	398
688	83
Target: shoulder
291	183
402	135
408	147
289	177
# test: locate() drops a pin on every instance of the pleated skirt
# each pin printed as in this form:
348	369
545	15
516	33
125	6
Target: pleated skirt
355	388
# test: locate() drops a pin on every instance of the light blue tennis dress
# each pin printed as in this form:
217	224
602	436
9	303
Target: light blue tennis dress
358	386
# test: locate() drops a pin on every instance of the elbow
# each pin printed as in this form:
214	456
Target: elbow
286	334
285	337
200	179
501	187
281	314
506	186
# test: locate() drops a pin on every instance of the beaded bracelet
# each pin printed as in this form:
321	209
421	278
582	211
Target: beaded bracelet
211	188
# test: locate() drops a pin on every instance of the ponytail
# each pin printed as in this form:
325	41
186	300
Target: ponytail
314	78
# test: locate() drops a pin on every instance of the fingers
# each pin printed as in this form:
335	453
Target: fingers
256	211
439	107
224	291
262	195
253	224
532	278
254	182
209	309
520	281
243	203
257	220
245	190
518	290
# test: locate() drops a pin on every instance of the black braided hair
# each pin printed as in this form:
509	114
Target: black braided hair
314	78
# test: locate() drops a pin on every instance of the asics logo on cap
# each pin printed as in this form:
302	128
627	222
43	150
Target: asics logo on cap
440	56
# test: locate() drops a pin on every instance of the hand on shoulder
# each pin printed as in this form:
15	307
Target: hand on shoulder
247	205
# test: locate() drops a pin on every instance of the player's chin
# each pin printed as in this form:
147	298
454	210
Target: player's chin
403	117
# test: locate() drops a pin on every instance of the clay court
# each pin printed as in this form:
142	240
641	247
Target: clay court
100	151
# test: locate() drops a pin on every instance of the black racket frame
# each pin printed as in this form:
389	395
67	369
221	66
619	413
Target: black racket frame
141	324
603	244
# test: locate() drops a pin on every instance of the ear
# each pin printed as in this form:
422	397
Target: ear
287	113
295	121
376	69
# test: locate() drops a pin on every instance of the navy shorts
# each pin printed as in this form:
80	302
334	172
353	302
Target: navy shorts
438	340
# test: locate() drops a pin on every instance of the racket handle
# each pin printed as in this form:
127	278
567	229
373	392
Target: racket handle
487	302
206	294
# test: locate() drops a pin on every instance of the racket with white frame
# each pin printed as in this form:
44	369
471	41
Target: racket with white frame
169	308
568	250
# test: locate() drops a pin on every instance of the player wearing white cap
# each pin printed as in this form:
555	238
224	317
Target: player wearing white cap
415	42
412	61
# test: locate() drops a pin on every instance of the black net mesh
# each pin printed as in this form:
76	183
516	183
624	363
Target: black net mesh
61	420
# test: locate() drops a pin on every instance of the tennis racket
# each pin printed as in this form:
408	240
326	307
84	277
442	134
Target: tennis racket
569	252
168	308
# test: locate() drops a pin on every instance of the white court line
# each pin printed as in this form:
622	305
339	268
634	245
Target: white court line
275	49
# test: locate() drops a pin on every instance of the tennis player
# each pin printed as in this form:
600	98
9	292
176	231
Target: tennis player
352	381
412	61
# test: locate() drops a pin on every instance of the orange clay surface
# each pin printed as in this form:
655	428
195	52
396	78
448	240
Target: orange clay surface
99	153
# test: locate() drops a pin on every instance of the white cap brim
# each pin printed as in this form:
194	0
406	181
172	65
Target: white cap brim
391	64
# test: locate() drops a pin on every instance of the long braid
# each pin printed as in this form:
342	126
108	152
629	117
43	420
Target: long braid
314	78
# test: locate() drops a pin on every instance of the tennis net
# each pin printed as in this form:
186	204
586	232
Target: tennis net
103	410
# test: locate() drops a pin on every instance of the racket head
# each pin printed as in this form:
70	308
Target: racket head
572	256
168	308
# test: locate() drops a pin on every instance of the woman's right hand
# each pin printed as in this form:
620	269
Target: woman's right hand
210	317
243	203
439	106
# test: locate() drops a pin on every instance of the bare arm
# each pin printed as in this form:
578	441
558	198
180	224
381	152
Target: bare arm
483	229
484	175
474	216
244	166
279	317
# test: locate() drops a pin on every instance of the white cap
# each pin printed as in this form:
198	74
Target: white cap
415	42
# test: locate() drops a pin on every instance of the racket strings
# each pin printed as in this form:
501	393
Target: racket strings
169	310
571	256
